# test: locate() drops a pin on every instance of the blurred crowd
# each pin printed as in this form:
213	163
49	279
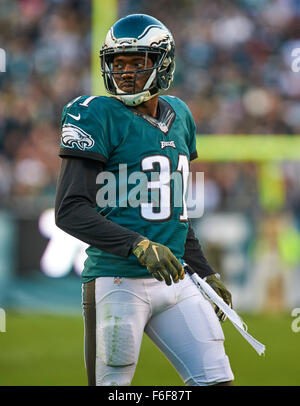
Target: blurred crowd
233	70
47	44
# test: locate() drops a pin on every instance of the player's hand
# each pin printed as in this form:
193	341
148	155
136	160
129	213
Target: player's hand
221	290
159	260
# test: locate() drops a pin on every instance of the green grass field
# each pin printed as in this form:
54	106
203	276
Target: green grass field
48	350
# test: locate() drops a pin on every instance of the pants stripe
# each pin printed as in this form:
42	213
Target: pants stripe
89	314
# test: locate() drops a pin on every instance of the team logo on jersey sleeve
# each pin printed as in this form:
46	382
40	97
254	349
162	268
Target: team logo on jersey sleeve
75	136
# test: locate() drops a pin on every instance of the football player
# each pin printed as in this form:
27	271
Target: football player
133	279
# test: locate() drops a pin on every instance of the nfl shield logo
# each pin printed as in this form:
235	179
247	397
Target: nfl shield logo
163	127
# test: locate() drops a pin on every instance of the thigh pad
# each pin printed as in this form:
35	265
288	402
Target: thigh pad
117	339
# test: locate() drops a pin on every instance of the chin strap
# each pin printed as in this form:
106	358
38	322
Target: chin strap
137	98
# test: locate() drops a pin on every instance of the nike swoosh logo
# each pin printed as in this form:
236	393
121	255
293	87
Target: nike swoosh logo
155	251
75	117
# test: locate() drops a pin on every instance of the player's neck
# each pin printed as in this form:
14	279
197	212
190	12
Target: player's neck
149	107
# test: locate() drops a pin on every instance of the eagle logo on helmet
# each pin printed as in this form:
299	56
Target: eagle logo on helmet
162	40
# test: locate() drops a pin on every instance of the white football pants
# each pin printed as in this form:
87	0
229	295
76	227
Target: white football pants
177	318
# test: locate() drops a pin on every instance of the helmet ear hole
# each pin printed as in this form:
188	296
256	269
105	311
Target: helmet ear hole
154	58
165	77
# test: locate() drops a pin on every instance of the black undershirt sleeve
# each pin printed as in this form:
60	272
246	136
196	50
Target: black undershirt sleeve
194	257
75	209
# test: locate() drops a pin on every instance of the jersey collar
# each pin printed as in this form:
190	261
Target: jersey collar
165	119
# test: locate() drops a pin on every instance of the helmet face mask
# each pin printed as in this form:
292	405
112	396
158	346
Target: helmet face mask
139	34
111	75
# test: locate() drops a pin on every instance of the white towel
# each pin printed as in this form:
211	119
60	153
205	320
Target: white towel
230	313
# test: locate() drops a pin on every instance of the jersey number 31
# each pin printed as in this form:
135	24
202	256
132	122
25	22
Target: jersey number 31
161	207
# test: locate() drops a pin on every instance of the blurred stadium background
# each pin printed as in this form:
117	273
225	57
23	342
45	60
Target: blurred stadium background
234	70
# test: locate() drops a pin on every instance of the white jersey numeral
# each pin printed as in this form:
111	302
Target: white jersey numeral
183	167
160	207
85	103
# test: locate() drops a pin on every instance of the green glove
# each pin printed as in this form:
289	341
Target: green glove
219	287
159	260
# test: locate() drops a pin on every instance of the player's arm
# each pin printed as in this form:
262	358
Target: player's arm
84	149
193	254
194	258
75	209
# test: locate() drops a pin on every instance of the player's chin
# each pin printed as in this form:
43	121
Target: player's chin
127	88
131	87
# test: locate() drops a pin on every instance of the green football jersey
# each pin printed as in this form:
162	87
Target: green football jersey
146	172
